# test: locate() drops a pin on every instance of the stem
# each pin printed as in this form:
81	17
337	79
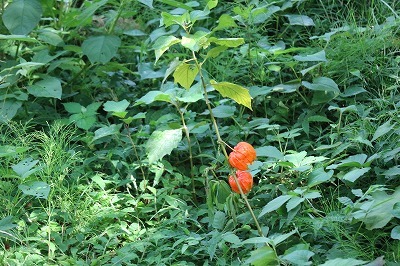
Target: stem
135	150
186	130
222	144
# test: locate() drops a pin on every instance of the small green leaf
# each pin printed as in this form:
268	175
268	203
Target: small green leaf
162	44
8	109
216	51
185	74
101	49
169	19
275	204
237	93
47	87
195	41
162	143
269	151
194	94
22	16
319	176
224	111
72	107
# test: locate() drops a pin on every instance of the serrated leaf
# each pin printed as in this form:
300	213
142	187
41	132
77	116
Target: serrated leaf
21	16
162	44
48	87
162	143
275	204
185	74
237	93
101	49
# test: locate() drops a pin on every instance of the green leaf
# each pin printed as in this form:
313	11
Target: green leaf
211	4
162	44
322	84
219	220
340	261
7	223
224	111
235	92
185	74
39	189
382	130
21	38
293	203
275	204
353	175
162	143
228	42
101	49
194	94
153	96
106	131
264	256
178	4
48	87
148	3
317	57
84	16
8	109
72	107
395	233
269	151
319	176
225	21
301	20
169	19
25	167
9	151
117	108
216	51
21	16
195	41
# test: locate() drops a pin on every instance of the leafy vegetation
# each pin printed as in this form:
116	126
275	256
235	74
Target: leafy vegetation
118	117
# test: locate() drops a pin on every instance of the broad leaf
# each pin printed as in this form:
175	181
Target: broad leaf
8	109
301	20
7	223
162	44
275	204
353	175
25	167
319	176
162	143
317	57
22	16
237	93
228	42
185	74
269	151
48	87
382	130
196	41
169	19
395	233
263	256
340	261
101	49
106	131
225	21
116	108
39	189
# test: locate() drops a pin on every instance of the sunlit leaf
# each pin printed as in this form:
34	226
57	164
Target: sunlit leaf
163	43
228	42
237	93
185	74
162	143
263	256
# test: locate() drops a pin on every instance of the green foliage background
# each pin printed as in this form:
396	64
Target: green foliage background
115	117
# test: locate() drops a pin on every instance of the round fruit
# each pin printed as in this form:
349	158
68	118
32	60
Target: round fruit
245	181
242	155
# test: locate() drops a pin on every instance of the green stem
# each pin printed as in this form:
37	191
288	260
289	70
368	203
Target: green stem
222	144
